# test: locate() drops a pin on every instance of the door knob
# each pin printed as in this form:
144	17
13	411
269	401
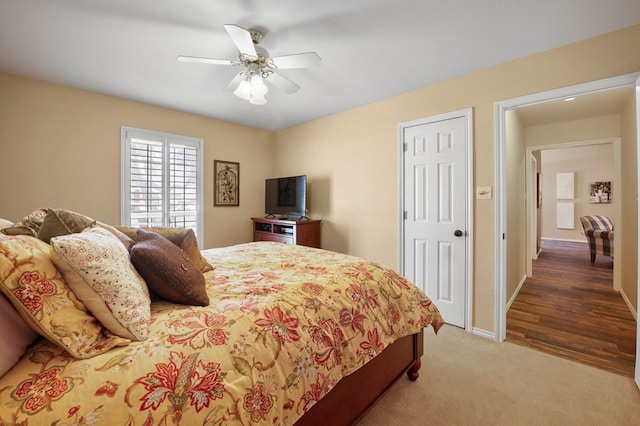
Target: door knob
457	233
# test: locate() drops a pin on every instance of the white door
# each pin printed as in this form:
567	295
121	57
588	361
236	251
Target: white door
436	229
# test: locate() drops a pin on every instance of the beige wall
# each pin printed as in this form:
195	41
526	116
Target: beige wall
591	163
355	154
60	147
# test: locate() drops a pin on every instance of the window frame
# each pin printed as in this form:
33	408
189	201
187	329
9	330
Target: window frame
166	139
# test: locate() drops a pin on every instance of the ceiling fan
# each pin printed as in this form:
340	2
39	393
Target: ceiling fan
257	65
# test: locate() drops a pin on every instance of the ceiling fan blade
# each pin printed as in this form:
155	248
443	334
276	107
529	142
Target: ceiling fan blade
242	39
283	83
233	84
298	60
198	60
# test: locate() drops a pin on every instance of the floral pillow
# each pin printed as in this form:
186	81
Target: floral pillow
37	290
97	267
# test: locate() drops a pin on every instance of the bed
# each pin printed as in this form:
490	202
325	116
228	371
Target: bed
284	335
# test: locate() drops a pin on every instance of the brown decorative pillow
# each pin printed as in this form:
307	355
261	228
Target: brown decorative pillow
183	238
28	225
168	270
59	222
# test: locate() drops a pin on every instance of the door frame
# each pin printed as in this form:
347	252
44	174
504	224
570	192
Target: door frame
500	311
500	109
467	113
532	209
637	83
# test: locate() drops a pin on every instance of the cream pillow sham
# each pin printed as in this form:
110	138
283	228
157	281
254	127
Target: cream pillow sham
97	268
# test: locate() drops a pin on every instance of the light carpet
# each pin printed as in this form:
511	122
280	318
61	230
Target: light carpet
469	380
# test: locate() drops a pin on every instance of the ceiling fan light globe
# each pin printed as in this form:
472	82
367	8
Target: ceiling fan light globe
243	91
258	88
257	100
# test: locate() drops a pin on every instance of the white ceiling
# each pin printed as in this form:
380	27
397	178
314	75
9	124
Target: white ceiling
370	49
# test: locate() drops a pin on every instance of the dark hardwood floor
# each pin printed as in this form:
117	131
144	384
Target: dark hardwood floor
569	309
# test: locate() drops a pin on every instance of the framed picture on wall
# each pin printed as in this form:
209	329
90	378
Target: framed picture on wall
600	192
226	183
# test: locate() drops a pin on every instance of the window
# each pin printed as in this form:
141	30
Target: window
162	181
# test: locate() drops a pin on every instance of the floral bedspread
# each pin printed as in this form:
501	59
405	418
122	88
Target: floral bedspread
285	324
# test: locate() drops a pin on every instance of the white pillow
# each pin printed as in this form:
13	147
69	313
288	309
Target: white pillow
97	268
4	223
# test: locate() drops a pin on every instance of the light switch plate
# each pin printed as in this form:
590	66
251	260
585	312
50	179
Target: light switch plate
483	193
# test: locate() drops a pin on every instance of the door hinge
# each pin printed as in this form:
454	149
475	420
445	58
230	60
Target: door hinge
404	215
405	147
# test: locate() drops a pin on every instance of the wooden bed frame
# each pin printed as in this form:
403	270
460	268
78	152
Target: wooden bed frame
355	394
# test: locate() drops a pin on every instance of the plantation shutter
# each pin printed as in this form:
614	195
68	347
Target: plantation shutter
162	184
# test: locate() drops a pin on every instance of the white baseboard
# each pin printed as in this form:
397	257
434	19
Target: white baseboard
629	305
489	334
536	254
484	333
565	239
515	293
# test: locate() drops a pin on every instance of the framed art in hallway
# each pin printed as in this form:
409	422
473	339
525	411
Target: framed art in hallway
600	192
226	183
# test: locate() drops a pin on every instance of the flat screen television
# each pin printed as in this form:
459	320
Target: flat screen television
286	196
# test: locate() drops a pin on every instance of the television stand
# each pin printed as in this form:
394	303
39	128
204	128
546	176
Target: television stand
299	232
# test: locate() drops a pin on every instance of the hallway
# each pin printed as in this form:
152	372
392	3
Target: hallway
569	309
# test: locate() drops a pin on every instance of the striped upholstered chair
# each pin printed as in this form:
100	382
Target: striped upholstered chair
599	233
